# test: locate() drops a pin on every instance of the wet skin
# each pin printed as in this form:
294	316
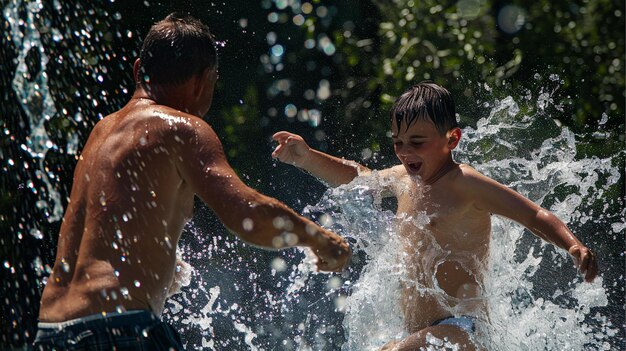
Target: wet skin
453	245
133	191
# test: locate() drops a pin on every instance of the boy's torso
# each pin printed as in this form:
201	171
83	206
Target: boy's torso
446	245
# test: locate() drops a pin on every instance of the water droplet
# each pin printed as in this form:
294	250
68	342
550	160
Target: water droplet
326	220
36	233
124	291
137	283
247	224
278	223
278	264
168	243
333	283
291	239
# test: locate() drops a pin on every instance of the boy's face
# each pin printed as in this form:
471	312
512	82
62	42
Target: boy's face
420	147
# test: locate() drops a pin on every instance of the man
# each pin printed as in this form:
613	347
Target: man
133	192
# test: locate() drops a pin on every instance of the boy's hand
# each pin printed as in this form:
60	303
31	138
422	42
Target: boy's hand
333	253
291	148
585	261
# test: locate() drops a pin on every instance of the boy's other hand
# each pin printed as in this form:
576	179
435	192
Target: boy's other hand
585	261
333	254
291	148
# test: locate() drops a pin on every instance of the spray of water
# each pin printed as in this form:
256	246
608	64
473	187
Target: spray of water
30	84
530	284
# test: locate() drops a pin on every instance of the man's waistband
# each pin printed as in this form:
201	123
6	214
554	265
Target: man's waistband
112	319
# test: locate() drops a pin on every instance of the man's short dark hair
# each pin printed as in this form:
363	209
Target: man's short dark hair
176	49
425	100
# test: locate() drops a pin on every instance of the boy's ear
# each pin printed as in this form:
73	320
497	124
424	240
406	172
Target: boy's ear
454	136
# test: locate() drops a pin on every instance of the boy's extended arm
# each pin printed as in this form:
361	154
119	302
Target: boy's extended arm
496	198
254	217
294	150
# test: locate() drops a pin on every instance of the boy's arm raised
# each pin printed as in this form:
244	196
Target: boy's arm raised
294	150
496	198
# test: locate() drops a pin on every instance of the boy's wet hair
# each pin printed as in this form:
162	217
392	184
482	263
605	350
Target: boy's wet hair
425	100
176	49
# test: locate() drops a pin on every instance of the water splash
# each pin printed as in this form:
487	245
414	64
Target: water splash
530	284
30	84
282	303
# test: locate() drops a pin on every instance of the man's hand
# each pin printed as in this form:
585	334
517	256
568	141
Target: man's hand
585	261
291	148
182	276
333	253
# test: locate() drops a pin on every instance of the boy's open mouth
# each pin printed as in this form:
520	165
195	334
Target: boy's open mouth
414	167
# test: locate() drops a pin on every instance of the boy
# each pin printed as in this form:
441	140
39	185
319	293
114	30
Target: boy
454	245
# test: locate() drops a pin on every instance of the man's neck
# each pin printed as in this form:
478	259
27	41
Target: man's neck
163	96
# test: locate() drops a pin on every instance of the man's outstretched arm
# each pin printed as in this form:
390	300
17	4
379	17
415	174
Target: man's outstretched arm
254	217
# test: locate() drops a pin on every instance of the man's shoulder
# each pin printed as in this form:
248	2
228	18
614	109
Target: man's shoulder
174	117
179	124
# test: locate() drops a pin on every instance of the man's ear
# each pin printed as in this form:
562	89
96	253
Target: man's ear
454	136
136	70
201	81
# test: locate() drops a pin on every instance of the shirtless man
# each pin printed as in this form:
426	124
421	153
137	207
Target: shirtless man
133	192
458	201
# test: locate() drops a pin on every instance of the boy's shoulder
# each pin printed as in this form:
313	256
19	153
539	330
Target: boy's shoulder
394	171
475	185
468	176
396	174
391	180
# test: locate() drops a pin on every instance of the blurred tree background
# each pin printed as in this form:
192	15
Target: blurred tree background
328	70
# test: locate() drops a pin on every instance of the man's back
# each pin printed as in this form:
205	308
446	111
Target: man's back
127	209
133	192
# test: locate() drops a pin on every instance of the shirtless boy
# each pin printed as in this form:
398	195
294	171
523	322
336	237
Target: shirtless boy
133	192
458	201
